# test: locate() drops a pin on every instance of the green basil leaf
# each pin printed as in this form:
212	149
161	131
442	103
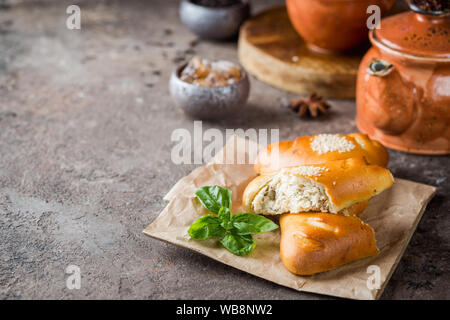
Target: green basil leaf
249	223
240	245
206	227
225	218
224	214
214	197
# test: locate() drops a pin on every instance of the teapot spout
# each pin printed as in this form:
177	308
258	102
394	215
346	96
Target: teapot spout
379	67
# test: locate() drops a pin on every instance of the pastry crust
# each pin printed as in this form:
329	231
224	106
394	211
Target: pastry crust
356	209
317	242
306	150
332	187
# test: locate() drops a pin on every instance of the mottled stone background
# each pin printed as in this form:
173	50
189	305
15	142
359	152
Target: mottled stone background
85	125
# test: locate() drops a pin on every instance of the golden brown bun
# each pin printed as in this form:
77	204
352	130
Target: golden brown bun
317	242
299	152
259	182
346	182
356	209
252	189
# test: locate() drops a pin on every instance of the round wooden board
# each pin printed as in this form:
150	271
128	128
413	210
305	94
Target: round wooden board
271	50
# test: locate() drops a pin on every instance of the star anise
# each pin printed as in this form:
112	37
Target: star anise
312	106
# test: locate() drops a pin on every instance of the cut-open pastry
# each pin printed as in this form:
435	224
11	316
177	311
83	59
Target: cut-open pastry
317	242
334	186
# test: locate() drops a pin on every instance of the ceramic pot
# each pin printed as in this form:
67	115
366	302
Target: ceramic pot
214	23
403	85
209	103
332	25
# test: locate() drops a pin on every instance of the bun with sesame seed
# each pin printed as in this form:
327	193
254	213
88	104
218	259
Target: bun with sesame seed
319	149
334	187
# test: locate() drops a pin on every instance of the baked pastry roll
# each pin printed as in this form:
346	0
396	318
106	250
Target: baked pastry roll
319	149
317	242
332	187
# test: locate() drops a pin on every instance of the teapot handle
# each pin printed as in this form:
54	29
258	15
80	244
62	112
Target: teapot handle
379	67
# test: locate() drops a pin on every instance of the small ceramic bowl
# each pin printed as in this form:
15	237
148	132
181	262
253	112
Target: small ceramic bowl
215	23
209	102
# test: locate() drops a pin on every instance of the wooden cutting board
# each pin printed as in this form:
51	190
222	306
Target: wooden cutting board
271	50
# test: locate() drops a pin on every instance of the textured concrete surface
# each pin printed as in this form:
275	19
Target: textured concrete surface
85	125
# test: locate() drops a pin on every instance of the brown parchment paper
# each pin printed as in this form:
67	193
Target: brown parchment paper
394	214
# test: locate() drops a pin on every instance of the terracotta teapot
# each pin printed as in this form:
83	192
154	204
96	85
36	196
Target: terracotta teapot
403	85
332	25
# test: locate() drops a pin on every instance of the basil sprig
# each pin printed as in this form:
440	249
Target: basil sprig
214	198
235	231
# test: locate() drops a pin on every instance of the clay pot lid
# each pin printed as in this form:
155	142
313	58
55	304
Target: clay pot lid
421	32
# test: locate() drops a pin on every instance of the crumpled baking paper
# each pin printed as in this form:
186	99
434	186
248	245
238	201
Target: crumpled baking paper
394	215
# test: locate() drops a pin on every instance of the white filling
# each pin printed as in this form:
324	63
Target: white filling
291	194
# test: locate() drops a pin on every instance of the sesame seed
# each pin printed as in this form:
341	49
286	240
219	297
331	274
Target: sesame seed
309	171
324	143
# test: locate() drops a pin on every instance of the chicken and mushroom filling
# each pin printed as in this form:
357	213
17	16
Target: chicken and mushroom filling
291	194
